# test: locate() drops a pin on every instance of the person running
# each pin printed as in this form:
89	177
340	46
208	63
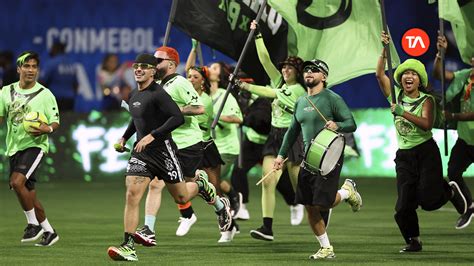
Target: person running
154	115
462	153
316	191
26	149
418	161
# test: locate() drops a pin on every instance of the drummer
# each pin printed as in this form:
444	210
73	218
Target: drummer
327	110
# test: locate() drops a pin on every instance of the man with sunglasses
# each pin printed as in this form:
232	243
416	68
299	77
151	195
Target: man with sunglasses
188	138
154	116
319	193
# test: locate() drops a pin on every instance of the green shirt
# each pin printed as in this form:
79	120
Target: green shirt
254	136
308	121
227	135
408	134
183	93
286	95
205	120
461	81
14	105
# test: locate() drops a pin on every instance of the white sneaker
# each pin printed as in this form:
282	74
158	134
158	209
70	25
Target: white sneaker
297	214
227	236
243	213
185	224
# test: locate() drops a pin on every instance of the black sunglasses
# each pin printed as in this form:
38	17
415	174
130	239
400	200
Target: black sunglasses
159	60
142	66
312	68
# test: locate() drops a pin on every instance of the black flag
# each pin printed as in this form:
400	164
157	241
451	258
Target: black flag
224	25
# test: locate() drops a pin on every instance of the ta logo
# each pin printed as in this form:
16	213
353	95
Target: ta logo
415	42
321	23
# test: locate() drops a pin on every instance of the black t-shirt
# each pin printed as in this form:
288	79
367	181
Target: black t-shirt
153	112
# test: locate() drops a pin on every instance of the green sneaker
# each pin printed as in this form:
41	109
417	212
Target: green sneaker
323	253
123	252
207	191
355	200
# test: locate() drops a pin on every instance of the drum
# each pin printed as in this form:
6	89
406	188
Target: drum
324	152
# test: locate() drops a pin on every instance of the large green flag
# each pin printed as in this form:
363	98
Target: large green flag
461	15
343	33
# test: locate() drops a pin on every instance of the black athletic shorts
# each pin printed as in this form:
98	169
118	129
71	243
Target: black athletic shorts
159	161
190	159
274	141
212	157
26	162
316	190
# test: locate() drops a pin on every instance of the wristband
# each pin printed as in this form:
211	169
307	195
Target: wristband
50	129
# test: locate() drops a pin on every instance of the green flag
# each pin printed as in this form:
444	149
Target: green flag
343	33
461	16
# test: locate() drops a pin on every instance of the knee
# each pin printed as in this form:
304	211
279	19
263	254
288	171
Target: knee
156	186
132	197
180	199
16	182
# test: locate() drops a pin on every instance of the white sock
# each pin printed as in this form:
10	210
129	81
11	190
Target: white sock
323	240
31	217
46	226
150	222
344	193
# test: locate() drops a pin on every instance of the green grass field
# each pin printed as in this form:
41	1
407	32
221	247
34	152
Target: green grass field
89	219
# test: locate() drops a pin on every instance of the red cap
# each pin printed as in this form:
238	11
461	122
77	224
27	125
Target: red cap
171	52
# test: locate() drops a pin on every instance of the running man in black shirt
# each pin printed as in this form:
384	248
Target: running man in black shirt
154	116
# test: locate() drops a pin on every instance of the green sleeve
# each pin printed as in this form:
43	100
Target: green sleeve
231	107
343	116
262	91
52	111
290	136
266	61
188	94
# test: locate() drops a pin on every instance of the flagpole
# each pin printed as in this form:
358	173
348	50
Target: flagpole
443	91
199	54
237	66
174	5
387	51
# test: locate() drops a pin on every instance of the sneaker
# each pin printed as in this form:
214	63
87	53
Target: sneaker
413	246
458	199
227	236
207	191
32	233
262	233
235	203
145	236
243	213
297	214
123	252
324	253
49	238
185	225
355	200
224	217
465	219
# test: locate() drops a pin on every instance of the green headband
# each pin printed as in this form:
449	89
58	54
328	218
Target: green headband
21	60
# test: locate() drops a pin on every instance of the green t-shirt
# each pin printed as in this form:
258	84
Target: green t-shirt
285	100
227	135
308	121
408	134
465	128
14	105
205	120
183	93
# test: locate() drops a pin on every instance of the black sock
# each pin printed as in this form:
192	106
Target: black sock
128	239
187	213
267	222
233	196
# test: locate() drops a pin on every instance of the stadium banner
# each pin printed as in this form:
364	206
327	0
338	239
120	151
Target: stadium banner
82	148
